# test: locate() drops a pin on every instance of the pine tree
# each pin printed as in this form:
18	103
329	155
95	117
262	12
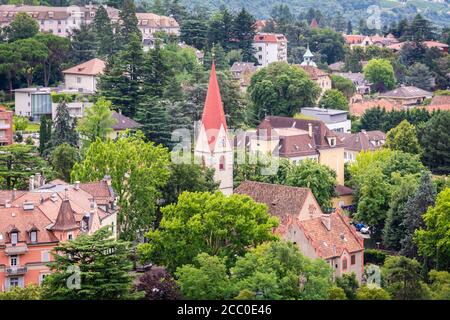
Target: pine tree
152	114
177	11
63	129
83	44
414	209
120	82
129	23
244	32
349	27
155	73
104	33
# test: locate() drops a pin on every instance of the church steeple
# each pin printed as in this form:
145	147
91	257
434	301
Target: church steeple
213	145
213	117
307	58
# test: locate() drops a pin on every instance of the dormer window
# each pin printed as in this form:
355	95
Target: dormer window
33	236
332	141
14	237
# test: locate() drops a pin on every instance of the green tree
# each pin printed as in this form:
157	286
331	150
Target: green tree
153	115
22	27
83	44
419	29
45	135
435	139
401	190
415	207
194	32
333	99
336	293
10	63
278	270
97	122
104	33
319	178
17	163
327	43
281	89
344	85
103	264
30	292
381	73
33	54
210	223
372	293
129	23
404	138
63	125
402	279
207	278
433	239
188	177
373	118
138	170
349	284
419	75
20	123
244	32
62	159
58	48
439	284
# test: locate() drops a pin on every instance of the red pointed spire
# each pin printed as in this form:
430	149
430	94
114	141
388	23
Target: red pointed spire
213	115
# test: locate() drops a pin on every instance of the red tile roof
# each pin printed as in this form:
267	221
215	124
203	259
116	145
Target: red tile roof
314	72
269	37
358	108
92	67
66	218
343	190
331	243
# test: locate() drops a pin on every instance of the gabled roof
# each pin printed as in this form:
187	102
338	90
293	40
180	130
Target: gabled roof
358	108
123	122
406	92
332	243
313	72
92	67
213	117
65	220
361	141
341	190
269	37
241	66
281	200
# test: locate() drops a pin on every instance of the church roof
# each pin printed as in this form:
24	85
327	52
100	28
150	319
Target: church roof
213	115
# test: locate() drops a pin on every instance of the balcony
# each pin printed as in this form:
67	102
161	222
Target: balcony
16	271
12	250
4	126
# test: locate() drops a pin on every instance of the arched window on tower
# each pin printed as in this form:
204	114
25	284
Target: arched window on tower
222	163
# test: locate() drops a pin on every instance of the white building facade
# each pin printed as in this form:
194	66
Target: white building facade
270	47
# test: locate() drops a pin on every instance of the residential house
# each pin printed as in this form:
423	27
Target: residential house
62	20
122	124
83	77
344	197
361	84
299	139
396	47
406	95
242	72
270	47
328	236
33	102
6	126
354	143
357	40
33	222
335	120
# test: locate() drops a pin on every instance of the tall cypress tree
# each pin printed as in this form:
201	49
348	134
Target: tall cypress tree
104	33
43	138
414	209
64	127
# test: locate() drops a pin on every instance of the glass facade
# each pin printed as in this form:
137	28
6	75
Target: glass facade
41	103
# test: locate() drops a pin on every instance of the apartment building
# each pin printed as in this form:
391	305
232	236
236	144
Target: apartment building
270	47
6	124
62	20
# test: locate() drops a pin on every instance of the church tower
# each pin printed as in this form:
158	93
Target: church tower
213	146
308	58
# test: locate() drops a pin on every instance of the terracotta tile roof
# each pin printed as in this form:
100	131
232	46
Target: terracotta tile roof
314	72
358	108
440	100
408	92
435	44
331	243
92	67
98	189
66	218
269	37
436	107
148	19
343	190
361	141
24	220
281	200
123	122
354	38
318	141
9	195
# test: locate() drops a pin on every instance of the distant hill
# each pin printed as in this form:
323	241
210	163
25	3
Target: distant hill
437	11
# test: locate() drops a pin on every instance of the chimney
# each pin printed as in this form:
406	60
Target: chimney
326	220
77	185
37	181
31	184
8	204
310	132
13	194
107	178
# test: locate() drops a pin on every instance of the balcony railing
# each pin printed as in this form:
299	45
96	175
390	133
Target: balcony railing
16	271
